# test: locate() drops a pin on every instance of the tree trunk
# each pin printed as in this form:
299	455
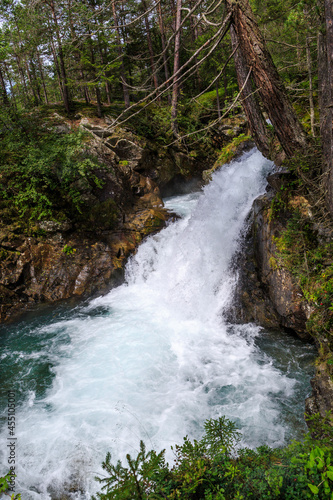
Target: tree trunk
85	88
175	87
65	86
32	85
35	82
42	78
150	47
266	78
56	65
120	53
163	41
21	73
10	84
325	76
218	99
94	76
194	36
3	90
107	75
309	65
250	102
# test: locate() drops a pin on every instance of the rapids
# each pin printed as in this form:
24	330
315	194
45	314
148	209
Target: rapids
154	357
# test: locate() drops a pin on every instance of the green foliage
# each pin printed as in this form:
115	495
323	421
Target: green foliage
43	172
213	468
228	152
134	481
69	250
304	245
5	485
309	260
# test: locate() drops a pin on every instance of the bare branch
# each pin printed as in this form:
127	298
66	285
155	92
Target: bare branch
217	77
155	94
211	125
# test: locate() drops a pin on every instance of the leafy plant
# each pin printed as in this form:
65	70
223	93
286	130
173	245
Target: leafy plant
43	173
214	468
228	152
5	486
69	250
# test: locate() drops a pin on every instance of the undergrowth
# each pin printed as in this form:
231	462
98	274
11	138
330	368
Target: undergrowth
305	246
43	172
215	468
227	153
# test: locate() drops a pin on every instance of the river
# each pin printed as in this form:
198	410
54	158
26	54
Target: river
153	358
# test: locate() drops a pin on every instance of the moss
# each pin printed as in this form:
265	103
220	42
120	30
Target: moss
3	254
273	264
104	215
228	152
309	260
225	155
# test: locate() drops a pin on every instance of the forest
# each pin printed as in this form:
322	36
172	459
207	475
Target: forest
188	65
172	72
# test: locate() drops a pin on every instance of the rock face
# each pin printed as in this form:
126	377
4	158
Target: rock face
321	400
65	259
267	294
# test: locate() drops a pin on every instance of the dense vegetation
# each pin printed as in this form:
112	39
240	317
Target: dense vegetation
214	468
43	172
116	51
171	62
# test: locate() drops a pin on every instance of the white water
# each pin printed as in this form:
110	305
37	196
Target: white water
153	358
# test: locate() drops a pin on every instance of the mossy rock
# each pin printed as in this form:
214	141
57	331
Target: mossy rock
104	215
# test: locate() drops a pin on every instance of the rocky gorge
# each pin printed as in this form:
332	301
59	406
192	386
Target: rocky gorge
268	293
62	260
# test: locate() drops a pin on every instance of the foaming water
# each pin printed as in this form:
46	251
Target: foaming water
154	358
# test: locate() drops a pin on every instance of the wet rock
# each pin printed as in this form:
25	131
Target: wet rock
233	126
238	151
50	226
85	255
267	293
321	400
277	179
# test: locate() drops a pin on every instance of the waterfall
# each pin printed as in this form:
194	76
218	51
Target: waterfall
153	358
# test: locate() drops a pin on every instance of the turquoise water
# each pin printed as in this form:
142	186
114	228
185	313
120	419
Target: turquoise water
153	358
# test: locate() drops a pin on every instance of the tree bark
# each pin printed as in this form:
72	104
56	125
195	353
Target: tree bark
163	41
120	53
194	36
10	84
175	87
65	86
250	102
42	77
309	65
94	76
218	104
266	78
325	77
107	75
150	47
21	73
4	95
57	69
35	82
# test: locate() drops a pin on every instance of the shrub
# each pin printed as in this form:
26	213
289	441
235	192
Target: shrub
42	172
213	468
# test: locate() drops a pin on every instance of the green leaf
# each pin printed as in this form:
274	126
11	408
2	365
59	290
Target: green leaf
313	488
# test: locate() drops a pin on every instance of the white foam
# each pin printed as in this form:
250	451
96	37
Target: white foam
159	359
